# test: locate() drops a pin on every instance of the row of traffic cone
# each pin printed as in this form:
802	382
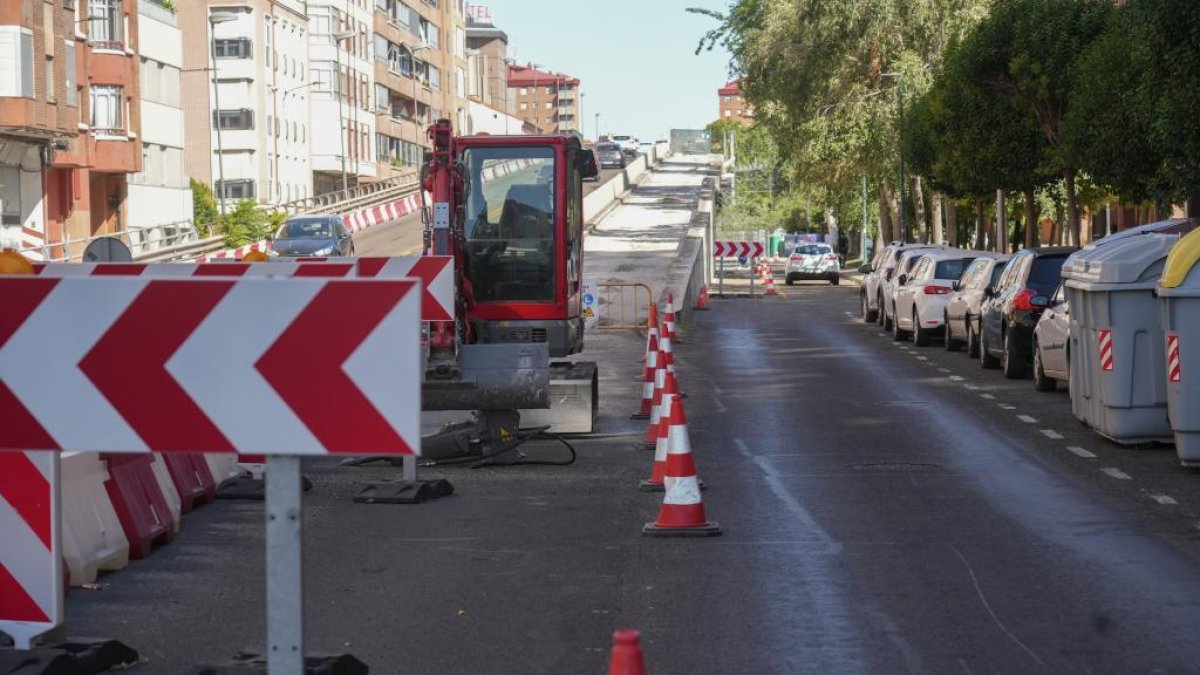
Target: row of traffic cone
674	470
768	277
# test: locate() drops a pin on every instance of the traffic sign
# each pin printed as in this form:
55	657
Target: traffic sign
738	249
300	366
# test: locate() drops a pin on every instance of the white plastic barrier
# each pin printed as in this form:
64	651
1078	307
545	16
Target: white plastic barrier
222	466
92	536
163	477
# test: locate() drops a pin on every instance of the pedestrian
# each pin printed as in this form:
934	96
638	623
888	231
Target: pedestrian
843	246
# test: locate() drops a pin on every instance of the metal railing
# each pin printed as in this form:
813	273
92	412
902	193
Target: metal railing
632	313
145	243
368	194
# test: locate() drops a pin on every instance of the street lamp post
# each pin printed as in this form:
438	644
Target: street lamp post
580	115
213	19
337	56
597	127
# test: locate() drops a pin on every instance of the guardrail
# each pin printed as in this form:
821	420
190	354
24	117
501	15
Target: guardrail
145	243
368	194
638	315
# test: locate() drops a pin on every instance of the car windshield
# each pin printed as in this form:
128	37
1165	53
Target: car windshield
996	272
607	147
813	250
1046	273
951	269
305	228
621	138
911	263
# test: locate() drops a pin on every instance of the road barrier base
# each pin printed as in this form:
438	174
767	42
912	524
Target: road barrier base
192	479
316	664
249	488
709	529
139	502
404	492
74	657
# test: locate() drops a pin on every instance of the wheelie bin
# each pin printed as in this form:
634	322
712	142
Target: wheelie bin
1116	345
1179	303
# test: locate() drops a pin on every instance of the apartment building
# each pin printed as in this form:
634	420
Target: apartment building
731	105
246	76
487	61
159	194
420	56
550	101
339	53
69	123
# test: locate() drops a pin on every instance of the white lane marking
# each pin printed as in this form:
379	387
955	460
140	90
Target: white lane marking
922	358
883	335
957	378
987	606
1116	473
1075	449
1050	433
988	397
1165	500
720	406
943	370
971	387
781	493
1027	419
1005	406
849	313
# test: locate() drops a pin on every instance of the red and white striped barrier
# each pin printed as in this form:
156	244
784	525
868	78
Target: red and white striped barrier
1174	367
31	579
93	540
239	252
1106	350
170	492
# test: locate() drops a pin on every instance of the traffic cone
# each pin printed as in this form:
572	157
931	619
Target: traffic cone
669	319
659	471
648	380
770	284
666	351
660	382
626	654
682	513
651	330
702	300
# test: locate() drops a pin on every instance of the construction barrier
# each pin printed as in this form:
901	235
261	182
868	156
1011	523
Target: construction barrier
92	538
625	306
192	479
163	477
139	503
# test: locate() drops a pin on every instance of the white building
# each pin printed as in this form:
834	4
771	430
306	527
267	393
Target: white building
159	195
343	73
488	120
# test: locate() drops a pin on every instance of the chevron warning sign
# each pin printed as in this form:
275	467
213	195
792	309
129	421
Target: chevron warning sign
738	249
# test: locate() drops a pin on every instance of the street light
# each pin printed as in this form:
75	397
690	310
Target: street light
580	114
900	130
337	56
597	127
215	18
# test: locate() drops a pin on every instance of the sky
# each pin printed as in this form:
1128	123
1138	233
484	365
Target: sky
635	58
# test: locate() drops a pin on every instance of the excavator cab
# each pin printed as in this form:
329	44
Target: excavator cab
522	238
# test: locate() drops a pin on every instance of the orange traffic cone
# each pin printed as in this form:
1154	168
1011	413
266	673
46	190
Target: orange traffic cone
770	284
666	351
702	300
626	654
651	330
659	471
682	513
648	380
669	319
660	382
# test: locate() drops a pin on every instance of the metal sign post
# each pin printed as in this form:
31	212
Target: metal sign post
285	568
721	279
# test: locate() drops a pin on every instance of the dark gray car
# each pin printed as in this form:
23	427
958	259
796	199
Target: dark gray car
609	155
313	237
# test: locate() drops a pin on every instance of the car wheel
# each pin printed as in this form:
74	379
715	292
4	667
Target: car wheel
897	334
950	343
867	315
1010	360
921	336
791	282
879	310
834	280
1040	380
986	360
889	320
972	340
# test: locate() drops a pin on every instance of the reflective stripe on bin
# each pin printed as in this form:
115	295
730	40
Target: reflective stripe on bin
1174	371
1106	350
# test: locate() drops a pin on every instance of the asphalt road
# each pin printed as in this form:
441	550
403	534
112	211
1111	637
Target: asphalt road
882	513
403	236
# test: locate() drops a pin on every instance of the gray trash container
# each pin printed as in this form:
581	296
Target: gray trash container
1179	301
1117	386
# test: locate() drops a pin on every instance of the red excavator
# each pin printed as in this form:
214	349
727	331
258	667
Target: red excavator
509	210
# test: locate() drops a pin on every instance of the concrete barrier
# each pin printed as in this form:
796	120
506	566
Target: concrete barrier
597	204
692	268
92	536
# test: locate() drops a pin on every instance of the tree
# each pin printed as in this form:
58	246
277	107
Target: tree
204	206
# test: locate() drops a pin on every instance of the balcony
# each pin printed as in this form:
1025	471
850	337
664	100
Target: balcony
106	25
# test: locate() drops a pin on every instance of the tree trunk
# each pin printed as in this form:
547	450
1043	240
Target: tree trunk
1000	244
920	229
939	233
1072	208
952	221
1031	216
885	217
979	232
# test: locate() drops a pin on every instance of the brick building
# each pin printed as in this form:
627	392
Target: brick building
731	105
550	101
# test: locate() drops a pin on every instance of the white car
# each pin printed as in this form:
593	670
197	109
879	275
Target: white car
870	293
629	144
813	261
905	259
1051	344
921	295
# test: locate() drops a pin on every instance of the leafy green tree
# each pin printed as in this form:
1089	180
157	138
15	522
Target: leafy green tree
204	207
245	224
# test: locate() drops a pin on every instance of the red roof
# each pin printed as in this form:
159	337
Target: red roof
527	76
731	88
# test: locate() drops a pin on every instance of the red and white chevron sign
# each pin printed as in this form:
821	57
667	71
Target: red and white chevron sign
738	249
1174	368
31	574
1106	349
300	366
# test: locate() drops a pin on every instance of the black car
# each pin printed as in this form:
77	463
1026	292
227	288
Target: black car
312	237
1011	308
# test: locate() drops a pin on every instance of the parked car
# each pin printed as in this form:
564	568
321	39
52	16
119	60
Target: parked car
645	147
587	159
962	308
813	261
610	156
921	295
629	144
1051	343
312	237
1011	309
905	261
880	269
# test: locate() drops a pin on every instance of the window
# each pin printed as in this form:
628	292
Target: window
524	91
234	120
267	51
16	47
105	23
72	83
236	189
951	269
51	94
383	98
10	195
235	48
435	77
108	104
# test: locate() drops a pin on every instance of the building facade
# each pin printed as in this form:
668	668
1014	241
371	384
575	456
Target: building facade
248	130
487	65
420	69
550	101
340	47
159	194
69	122
731	105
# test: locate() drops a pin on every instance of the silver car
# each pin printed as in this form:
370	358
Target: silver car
962	309
1052	344
906	260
